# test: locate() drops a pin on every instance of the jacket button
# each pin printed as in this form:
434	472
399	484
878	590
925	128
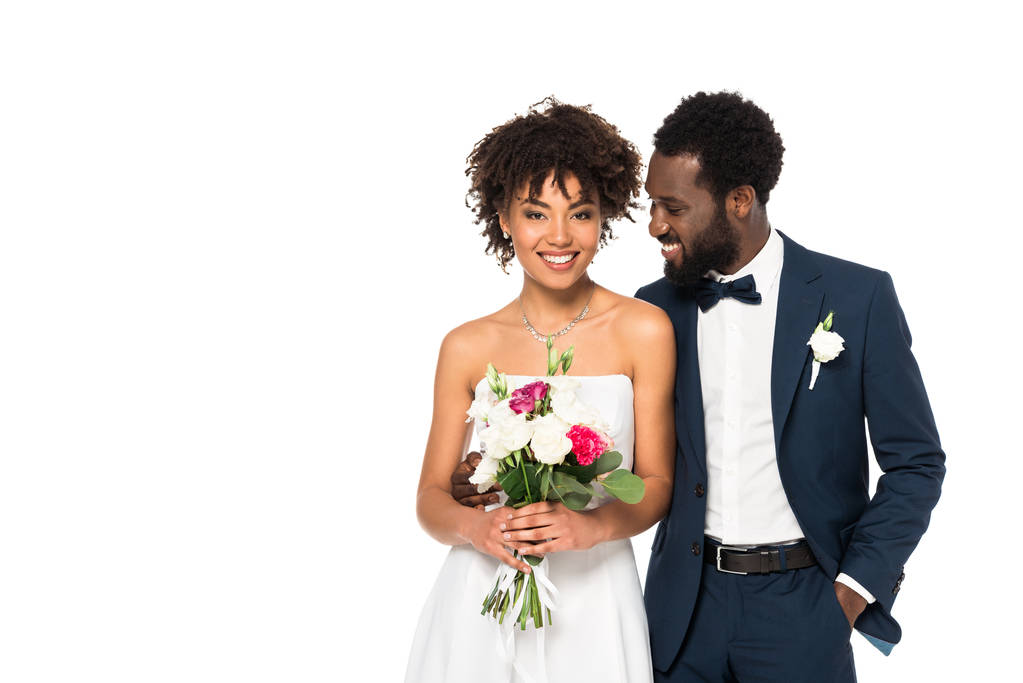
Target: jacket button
695	547
699	490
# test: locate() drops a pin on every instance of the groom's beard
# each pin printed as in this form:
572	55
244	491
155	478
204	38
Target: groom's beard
713	249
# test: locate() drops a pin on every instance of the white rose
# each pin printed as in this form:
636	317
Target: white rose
550	444
484	401
485	474
826	345
506	432
501	412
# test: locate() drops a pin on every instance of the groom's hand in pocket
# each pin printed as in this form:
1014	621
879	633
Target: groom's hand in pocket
852	603
466	493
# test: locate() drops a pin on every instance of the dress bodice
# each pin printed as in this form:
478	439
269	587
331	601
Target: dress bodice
611	396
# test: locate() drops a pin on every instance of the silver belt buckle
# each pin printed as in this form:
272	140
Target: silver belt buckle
726	571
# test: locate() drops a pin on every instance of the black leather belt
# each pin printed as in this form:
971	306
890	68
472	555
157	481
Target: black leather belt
762	560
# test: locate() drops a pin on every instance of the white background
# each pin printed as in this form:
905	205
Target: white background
233	236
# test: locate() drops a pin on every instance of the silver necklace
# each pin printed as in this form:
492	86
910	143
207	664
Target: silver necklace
542	338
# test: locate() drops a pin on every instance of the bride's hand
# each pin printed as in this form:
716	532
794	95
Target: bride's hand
551	527
486	533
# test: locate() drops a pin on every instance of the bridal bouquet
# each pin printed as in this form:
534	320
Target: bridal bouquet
541	443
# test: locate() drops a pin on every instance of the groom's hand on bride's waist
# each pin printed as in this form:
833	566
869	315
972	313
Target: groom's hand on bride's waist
466	493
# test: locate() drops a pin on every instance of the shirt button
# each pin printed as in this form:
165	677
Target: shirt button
699	490
695	547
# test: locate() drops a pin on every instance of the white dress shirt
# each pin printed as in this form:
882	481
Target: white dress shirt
746	503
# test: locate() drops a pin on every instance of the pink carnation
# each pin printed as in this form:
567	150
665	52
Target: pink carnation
587	444
524	400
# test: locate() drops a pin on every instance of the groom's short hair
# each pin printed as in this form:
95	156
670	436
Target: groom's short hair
733	139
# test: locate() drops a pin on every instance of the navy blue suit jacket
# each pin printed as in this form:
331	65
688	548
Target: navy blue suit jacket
820	440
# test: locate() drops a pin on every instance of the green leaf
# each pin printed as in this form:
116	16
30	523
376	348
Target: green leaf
582	474
545	482
511	482
565	488
564	482
576	501
608	462
625	486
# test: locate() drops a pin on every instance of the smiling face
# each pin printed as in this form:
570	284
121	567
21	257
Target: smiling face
555	237
691	225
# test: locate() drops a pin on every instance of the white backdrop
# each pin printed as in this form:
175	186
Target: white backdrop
233	236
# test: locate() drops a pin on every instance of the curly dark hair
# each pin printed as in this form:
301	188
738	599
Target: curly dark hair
551	137
733	139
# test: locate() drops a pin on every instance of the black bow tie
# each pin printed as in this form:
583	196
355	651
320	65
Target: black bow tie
709	292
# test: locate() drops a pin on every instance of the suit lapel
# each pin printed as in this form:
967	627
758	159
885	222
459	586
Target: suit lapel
799	311
688	387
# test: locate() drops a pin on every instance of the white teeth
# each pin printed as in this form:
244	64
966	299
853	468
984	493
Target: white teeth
668	248
558	259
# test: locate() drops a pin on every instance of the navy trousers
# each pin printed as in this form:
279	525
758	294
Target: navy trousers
782	627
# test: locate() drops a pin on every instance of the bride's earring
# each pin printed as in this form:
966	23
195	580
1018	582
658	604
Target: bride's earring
506	235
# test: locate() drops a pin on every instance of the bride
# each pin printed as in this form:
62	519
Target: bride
546	186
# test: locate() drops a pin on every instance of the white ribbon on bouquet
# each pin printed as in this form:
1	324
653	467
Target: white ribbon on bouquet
548	596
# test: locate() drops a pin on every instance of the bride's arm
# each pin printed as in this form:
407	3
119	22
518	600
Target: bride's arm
653	383
439	514
651	338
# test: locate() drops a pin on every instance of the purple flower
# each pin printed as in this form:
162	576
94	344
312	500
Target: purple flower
524	400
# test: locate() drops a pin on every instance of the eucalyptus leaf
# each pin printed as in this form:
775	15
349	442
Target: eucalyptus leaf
608	462
625	486
565	488
565	482
576	501
583	474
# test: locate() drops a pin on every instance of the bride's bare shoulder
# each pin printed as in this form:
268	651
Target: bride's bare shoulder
644	329
639	318
472	344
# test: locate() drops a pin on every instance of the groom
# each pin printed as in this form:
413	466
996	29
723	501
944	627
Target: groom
773	549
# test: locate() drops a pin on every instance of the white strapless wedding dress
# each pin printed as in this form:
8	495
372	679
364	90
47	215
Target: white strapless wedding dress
599	631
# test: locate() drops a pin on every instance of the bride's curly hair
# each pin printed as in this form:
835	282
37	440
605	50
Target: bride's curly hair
551	137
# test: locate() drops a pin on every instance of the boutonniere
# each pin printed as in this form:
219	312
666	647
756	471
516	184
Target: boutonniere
826	346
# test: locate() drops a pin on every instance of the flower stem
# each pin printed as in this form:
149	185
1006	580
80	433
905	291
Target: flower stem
525	479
